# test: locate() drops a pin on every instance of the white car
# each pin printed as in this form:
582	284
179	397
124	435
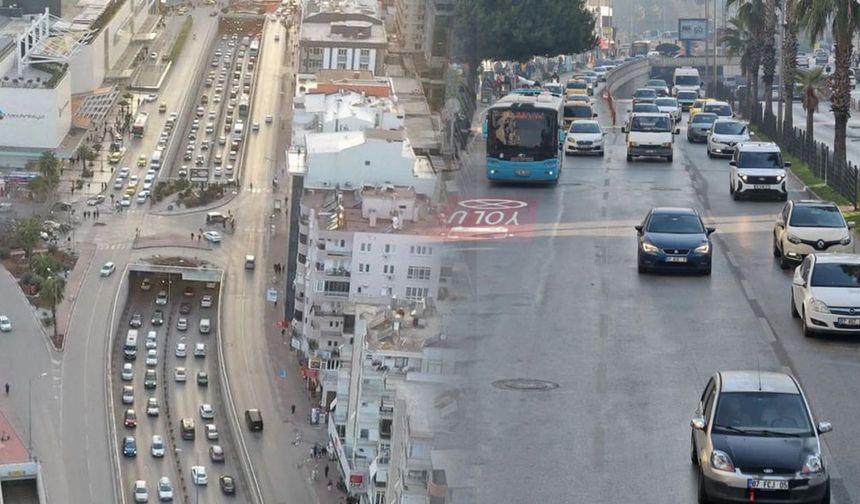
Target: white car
128	395
207	412
125	201
127	372
165	489
181	374
161	298
810	227
134	180
151	340
724	135
123	173
757	169
211	431
198	475
200	349
181	350
212	236
584	136
824	292
5	323
206	301
182	324
157	447
152	358
139	491
152	406
107	269
669	106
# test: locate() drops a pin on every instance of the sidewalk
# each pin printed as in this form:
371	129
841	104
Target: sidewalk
86	251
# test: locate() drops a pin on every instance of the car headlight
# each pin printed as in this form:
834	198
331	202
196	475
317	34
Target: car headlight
721	461
744	178
667	144
649	247
703	248
846	240
633	144
812	465
793	239
818	306
779	178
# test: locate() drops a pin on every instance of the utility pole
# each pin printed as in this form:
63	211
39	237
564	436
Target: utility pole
716	44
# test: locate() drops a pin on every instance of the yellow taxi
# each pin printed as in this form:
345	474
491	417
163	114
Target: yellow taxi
115	157
575	87
141	160
698	105
130	191
577	110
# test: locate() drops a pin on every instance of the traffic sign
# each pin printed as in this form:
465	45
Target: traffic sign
272	296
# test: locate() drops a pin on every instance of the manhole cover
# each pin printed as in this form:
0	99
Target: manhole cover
524	384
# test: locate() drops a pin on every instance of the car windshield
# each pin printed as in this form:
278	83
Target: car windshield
675	224
687	80
817	216
687	95
646	107
721	110
767	160
666	102
836	275
651	124
730	128
657	82
578	111
761	414
703	118
645	93
584	127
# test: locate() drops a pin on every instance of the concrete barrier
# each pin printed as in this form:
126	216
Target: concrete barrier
622	80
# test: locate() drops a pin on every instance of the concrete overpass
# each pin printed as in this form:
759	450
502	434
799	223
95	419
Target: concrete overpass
623	80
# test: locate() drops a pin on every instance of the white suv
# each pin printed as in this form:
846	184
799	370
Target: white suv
825	294
805	227
757	169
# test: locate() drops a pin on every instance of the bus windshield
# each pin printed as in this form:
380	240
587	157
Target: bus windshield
686	80
530	132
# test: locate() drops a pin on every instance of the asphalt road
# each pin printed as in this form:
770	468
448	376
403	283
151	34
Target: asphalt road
630	353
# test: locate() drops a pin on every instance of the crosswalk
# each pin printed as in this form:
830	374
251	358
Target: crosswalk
114	246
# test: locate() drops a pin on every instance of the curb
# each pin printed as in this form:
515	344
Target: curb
178	213
74	302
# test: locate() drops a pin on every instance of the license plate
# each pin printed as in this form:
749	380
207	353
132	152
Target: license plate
849	321
676	259
522	173
767	484
760	186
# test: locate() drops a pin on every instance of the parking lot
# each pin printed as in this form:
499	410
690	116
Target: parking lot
177	365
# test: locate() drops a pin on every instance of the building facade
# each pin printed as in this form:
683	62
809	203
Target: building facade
342	41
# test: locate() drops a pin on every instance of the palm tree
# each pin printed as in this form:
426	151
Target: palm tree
51	294
813	85
738	42
843	17
29	232
768	55
751	16
789	63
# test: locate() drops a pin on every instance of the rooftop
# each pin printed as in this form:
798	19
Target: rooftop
349	215
12	449
427	406
342	26
419	122
401	329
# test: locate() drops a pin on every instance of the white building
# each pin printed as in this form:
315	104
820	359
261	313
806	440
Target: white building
409	20
393	399
352	159
342	41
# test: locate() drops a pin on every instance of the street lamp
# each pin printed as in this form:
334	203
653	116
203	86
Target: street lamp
30	413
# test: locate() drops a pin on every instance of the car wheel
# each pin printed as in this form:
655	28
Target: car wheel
601	153
826	498
784	263
642	269
629	157
735	194
794	313
710	155
776	252
707	272
784	197
807	333
702	494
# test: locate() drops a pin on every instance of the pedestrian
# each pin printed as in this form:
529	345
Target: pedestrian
325	471
312	453
283	333
7	389
192	236
293	409
329	484
198	238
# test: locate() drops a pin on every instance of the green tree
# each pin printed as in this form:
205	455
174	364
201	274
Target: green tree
517	30
789	63
843	18
739	43
750	19
51	294
28	231
43	264
813	89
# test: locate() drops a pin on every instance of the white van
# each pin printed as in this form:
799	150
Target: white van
650	134
686	79
155	160
130	349
204	326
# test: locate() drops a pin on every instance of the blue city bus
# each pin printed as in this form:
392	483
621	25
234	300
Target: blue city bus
524	135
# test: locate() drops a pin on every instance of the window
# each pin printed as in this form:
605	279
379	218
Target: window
420	250
303	238
319	285
418	273
365	433
301	258
389	248
388	269
434	367
416	293
365	247
363	268
341	58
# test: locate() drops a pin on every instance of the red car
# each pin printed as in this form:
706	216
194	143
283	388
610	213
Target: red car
130	418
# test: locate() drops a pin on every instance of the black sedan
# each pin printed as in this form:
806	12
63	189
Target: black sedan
674	239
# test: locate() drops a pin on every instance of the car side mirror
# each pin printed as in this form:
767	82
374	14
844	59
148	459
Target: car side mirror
698	422
638	228
710	230
732	163
824	427
677	131
787	164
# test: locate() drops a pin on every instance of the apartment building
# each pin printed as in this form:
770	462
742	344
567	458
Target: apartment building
409	22
342	41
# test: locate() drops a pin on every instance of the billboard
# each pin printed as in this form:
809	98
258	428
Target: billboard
692	29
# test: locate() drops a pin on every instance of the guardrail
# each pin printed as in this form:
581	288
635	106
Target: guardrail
620	76
119	495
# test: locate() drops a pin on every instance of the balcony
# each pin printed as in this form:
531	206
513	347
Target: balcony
319	311
334	294
340	272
